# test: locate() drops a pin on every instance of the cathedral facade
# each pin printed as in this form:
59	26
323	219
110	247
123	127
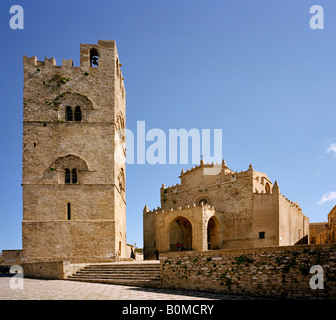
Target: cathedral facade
216	208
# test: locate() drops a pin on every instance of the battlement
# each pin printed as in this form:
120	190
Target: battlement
216	166
292	203
193	207
32	61
92	56
215	170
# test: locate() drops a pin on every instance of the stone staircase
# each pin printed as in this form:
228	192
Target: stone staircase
144	274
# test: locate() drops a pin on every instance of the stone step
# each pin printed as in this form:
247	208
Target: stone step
135	283
119	271
125	266
125	274
121	274
114	276
133	274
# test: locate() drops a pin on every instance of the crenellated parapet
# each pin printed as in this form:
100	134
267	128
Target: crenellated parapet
292	203
209	173
92	58
209	168
48	62
177	209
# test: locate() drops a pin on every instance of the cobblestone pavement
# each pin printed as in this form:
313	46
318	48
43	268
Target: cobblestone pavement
35	289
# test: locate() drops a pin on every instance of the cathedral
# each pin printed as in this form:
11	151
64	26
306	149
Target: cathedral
216	208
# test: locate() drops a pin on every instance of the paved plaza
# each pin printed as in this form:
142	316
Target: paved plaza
36	289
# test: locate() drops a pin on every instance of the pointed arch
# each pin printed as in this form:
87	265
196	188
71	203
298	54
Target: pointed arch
213	233
180	232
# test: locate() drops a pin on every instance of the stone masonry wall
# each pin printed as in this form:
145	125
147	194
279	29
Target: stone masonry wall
85	219
276	272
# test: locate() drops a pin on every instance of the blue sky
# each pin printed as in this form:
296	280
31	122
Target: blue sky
254	69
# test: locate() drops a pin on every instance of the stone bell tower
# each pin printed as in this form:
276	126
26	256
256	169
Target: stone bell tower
73	170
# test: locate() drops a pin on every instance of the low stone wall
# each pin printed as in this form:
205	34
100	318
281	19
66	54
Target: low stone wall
11	257
55	270
277	272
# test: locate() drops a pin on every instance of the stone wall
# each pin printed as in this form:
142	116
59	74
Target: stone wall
45	270
324	232
11	257
84	220
274	272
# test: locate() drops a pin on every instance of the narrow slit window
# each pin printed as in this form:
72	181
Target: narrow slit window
68	114
67	176
74	176
78	114
68	211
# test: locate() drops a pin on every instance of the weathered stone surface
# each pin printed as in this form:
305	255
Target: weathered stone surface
222	210
263	272
324	232
84	220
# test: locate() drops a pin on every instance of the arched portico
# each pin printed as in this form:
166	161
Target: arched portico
180	231
213	234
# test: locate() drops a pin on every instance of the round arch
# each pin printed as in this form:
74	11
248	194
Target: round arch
70	161
180	233
203	198
67	101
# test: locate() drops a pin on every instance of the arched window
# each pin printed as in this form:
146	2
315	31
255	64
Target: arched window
203	202
67	176
73	107
68	114
94	58
78	114
74	176
267	188
70	176
72	169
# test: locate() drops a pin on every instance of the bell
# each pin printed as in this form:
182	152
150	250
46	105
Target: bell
94	61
